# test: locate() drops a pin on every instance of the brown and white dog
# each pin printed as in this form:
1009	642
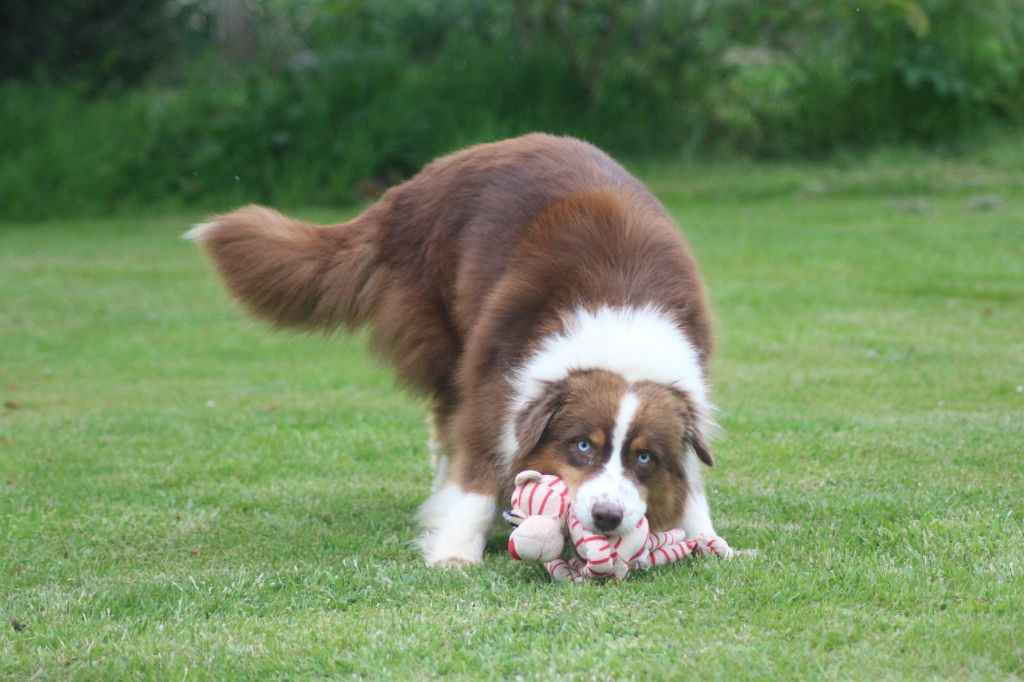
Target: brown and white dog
543	300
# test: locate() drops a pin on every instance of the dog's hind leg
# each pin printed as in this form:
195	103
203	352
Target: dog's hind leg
438	456
440	443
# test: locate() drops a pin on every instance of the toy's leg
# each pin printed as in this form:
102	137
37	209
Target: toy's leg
672	552
565	571
456	520
697	515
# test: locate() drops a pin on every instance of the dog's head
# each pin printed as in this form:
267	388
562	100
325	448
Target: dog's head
622	447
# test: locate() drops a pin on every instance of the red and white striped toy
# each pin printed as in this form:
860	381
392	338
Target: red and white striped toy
540	505
542	513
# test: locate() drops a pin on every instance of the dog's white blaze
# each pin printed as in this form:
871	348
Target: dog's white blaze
611	485
623	420
639	344
455	524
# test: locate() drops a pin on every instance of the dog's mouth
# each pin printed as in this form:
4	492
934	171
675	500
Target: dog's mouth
603	516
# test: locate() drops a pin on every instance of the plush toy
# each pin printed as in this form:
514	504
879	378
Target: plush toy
542	514
540	505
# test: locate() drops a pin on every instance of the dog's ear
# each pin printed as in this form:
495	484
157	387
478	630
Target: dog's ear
534	418
695	441
698	424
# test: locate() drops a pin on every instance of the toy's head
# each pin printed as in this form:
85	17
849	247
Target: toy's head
622	448
538	539
540	506
538	494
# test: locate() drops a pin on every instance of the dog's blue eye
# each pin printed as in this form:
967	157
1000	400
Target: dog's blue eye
643	458
583	445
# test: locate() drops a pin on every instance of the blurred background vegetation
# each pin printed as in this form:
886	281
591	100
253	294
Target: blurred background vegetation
109	105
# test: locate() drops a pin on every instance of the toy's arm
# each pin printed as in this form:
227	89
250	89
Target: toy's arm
666	547
666	537
671	552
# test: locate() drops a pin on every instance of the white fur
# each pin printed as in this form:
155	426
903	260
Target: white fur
696	519
439	458
639	344
198	232
509	443
439	463
623	420
612	486
455	524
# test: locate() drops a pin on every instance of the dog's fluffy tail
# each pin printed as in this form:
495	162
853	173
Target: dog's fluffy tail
293	273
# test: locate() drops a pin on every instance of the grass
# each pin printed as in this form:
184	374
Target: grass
184	494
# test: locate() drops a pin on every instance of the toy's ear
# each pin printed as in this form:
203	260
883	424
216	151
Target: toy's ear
534	418
524	477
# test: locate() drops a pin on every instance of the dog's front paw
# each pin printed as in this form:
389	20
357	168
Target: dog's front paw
448	552
455	524
453	562
713	545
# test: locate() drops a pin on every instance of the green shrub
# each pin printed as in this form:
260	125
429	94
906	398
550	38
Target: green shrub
370	91
99	42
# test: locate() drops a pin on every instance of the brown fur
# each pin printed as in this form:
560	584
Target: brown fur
460	271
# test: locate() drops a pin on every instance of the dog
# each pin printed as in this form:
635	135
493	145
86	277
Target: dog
546	304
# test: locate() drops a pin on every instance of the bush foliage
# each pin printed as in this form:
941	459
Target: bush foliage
292	101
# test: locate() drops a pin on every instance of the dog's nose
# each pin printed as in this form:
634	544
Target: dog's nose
607	517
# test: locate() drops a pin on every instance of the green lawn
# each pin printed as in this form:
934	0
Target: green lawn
184	494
